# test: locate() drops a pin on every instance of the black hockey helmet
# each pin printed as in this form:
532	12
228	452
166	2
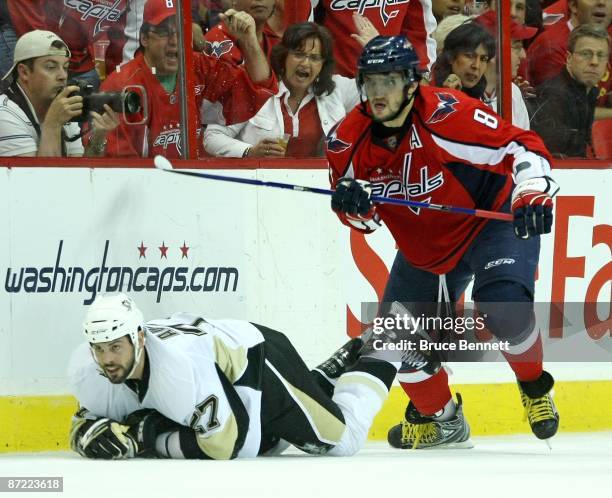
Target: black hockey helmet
384	54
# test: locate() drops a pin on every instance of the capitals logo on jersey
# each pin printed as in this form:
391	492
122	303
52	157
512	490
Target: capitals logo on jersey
361	5
101	10
217	48
168	137
413	185
446	106
334	144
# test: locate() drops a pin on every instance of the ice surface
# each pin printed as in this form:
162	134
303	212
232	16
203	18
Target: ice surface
579	465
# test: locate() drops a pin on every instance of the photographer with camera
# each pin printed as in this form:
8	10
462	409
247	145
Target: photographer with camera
39	112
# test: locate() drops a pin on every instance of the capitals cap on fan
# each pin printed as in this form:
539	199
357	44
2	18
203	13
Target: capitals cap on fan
157	11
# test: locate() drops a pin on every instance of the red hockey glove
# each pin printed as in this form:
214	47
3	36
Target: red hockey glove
532	206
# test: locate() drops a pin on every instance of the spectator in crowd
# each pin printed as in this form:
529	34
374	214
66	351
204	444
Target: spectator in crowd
16	19
27	16
310	101
219	43
445	26
518	9
37	108
207	12
8	38
523	12
412	18
555	12
445	8
277	21
519	33
547	55
234	93
461	63
102	23
534	14
566	104
464	60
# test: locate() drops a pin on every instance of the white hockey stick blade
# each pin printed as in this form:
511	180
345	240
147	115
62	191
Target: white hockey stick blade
162	163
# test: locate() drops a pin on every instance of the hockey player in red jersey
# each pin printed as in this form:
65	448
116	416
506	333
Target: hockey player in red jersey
230	94
412	18
439	146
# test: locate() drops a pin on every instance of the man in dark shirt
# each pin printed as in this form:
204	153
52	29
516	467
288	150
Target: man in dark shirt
565	105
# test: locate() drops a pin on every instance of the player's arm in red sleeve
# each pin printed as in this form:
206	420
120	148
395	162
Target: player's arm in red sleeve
230	86
485	140
419	24
299	11
351	193
492	143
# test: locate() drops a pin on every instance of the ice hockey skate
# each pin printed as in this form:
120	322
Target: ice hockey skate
539	406
339	361
421	432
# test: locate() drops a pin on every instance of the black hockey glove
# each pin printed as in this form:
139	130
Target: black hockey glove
105	438
352	197
144	427
532	206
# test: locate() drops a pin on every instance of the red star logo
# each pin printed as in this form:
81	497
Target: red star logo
163	249
142	249
184	250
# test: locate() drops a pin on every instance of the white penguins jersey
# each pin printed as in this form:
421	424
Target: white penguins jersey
204	374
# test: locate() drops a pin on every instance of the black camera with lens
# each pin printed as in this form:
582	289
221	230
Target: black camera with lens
125	102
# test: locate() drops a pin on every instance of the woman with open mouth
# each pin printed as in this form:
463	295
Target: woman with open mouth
310	101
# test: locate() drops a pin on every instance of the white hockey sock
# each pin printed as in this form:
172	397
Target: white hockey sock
360	397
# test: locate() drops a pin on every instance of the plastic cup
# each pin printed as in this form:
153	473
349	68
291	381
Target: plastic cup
100	47
283	141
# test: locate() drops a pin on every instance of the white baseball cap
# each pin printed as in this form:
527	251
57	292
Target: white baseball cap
36	43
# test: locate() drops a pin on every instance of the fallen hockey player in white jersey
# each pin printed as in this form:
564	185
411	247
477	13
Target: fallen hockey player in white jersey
190	387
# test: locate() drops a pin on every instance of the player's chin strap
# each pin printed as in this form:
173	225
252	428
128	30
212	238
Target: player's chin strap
137	353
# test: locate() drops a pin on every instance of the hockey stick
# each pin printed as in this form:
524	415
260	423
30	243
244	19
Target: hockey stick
165	165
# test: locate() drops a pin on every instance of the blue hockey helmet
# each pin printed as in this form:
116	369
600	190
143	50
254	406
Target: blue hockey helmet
384	54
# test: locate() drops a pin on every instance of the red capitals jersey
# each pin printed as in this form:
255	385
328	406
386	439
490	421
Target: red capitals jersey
218	43
27	16
218	84
453	150
412	18
81	22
